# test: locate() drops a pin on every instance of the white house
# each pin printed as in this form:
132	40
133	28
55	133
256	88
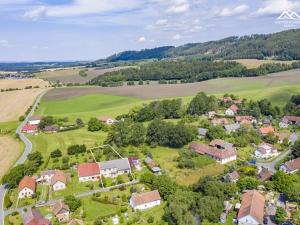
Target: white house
88	172
61	211
251	211
46	176
26	187
114	168
142	201
34	120
291	166
232	110
58	181
265	151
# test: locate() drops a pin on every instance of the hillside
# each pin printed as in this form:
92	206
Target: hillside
283	45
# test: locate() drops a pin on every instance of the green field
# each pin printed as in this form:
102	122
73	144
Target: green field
87	106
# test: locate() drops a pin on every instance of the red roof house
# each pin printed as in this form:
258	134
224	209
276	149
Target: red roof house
266	130
88	171
28	128
34	217
27	182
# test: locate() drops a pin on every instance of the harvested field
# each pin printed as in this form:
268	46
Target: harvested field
10	149
277	87
15	103
71	75
254	63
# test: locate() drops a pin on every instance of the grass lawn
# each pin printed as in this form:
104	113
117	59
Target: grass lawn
46	143
8	127
166	158
15	220
87	106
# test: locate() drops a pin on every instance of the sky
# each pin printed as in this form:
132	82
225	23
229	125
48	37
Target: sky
62	30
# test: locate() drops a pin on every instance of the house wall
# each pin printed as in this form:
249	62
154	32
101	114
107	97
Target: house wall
144	206
229	112
226	160
34	122
247	220
26	192
113	172
58	186
63	217
89	178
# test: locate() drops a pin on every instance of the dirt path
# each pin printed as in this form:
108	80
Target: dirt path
10	150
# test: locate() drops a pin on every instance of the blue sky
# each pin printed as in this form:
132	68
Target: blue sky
39	30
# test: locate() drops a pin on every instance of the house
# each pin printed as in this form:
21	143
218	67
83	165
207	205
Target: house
142	201
219	121
226	99
266	122
88	172
202	132
251	211
211	114
135	162
232	127
223	152
76	222
51	129
107	120
265	151
46	176
58	181
115	220
34	217
291	166
30	129
264	174
293	138
27	187
266	130
282	136
289	120
114	168
245	119
152	165
34	120
232	110
232	177
61	211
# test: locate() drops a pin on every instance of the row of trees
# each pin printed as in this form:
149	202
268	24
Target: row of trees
292	107
187	71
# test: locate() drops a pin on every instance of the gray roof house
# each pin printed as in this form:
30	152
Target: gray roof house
115	167
232	127
202	132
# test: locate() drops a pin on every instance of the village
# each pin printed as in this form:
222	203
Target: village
52	196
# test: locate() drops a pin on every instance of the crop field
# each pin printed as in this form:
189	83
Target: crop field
15	103
254	63
72	75
10	149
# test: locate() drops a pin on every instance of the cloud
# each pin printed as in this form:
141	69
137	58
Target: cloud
233	11
39	47
35	13
178	6
4	43
161	22
278	6
142	39
177	37
81	7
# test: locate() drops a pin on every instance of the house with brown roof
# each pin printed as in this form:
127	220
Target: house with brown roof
34	217
76	222
51	129
245	119
264	174
232	110
251	211
283	136
232	177
222	151
61	211
265	151
27	187
146	200
289	120
266	130
88	172
34	120
45	176
291	166
58	181
219	121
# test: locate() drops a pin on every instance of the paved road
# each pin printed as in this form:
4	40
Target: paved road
87	193
28	147
271	165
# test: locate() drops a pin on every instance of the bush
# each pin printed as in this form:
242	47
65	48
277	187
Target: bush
94	125
56	153
150	219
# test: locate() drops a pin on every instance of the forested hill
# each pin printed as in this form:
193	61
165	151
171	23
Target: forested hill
283	45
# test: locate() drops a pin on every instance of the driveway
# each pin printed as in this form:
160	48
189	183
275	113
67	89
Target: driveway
22	159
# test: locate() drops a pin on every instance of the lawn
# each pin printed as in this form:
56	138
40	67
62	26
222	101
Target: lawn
87	106
166	158
45	143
